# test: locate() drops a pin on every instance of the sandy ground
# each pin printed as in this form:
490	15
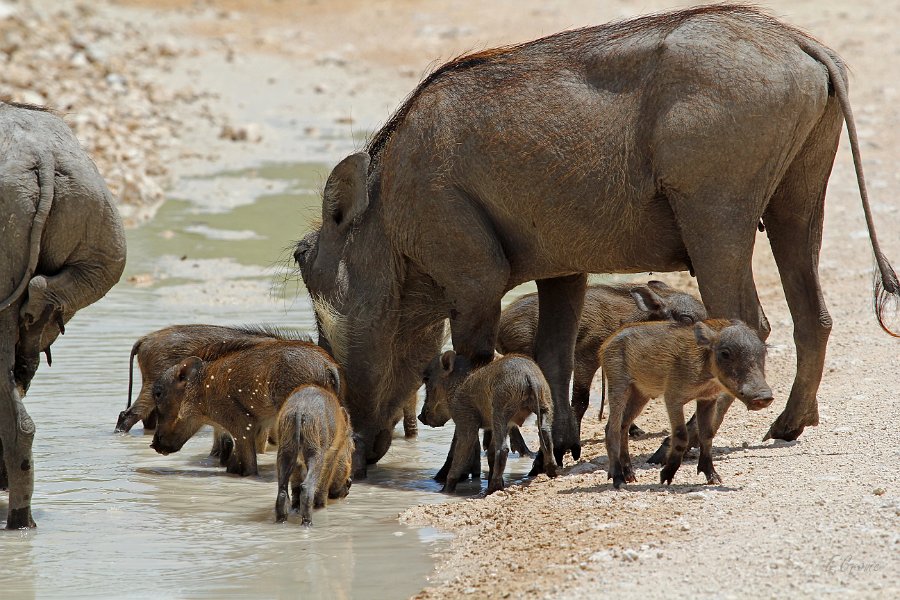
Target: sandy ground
295	81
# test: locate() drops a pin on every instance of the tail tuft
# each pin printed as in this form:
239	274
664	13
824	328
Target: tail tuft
886	297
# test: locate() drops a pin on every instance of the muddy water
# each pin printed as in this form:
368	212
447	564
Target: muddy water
115	519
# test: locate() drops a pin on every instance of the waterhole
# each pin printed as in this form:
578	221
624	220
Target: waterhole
116	519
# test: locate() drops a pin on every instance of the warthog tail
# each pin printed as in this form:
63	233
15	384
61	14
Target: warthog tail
46	173
134	350
886	287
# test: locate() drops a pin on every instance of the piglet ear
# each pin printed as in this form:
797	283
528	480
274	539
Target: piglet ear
334	380
187	369
646	299
660	287
703	334
448	359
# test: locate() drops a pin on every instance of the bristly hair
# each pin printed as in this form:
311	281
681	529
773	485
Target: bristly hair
255	335
273	331
461	63
27	106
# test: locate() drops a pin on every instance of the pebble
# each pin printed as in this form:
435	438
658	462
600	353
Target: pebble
83	65
248	132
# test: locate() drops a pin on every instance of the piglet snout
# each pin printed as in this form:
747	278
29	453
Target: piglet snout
157	446
760	402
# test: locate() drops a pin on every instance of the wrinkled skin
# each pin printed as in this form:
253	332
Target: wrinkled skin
63	248
657	144
315	451
646	360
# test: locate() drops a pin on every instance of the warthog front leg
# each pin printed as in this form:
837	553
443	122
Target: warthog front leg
410	424
17	435
560	301
705	415
679	440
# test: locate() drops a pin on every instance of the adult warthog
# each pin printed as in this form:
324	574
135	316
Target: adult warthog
654	144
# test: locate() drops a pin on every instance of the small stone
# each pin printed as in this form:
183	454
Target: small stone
631	555
249	132
879	491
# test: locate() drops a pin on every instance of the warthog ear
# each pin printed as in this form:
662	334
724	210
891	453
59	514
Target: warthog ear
346	193
646	299
187	370
703	334
448	359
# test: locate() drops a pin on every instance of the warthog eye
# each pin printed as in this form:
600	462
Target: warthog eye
686	319
725	354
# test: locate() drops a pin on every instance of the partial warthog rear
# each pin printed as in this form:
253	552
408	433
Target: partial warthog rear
315	451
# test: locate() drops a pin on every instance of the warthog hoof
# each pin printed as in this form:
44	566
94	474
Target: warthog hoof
550	470
281	507
559	454
712	478
667	474
20	518
441	476
659	457
517	444
537	467
787	428
635	431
